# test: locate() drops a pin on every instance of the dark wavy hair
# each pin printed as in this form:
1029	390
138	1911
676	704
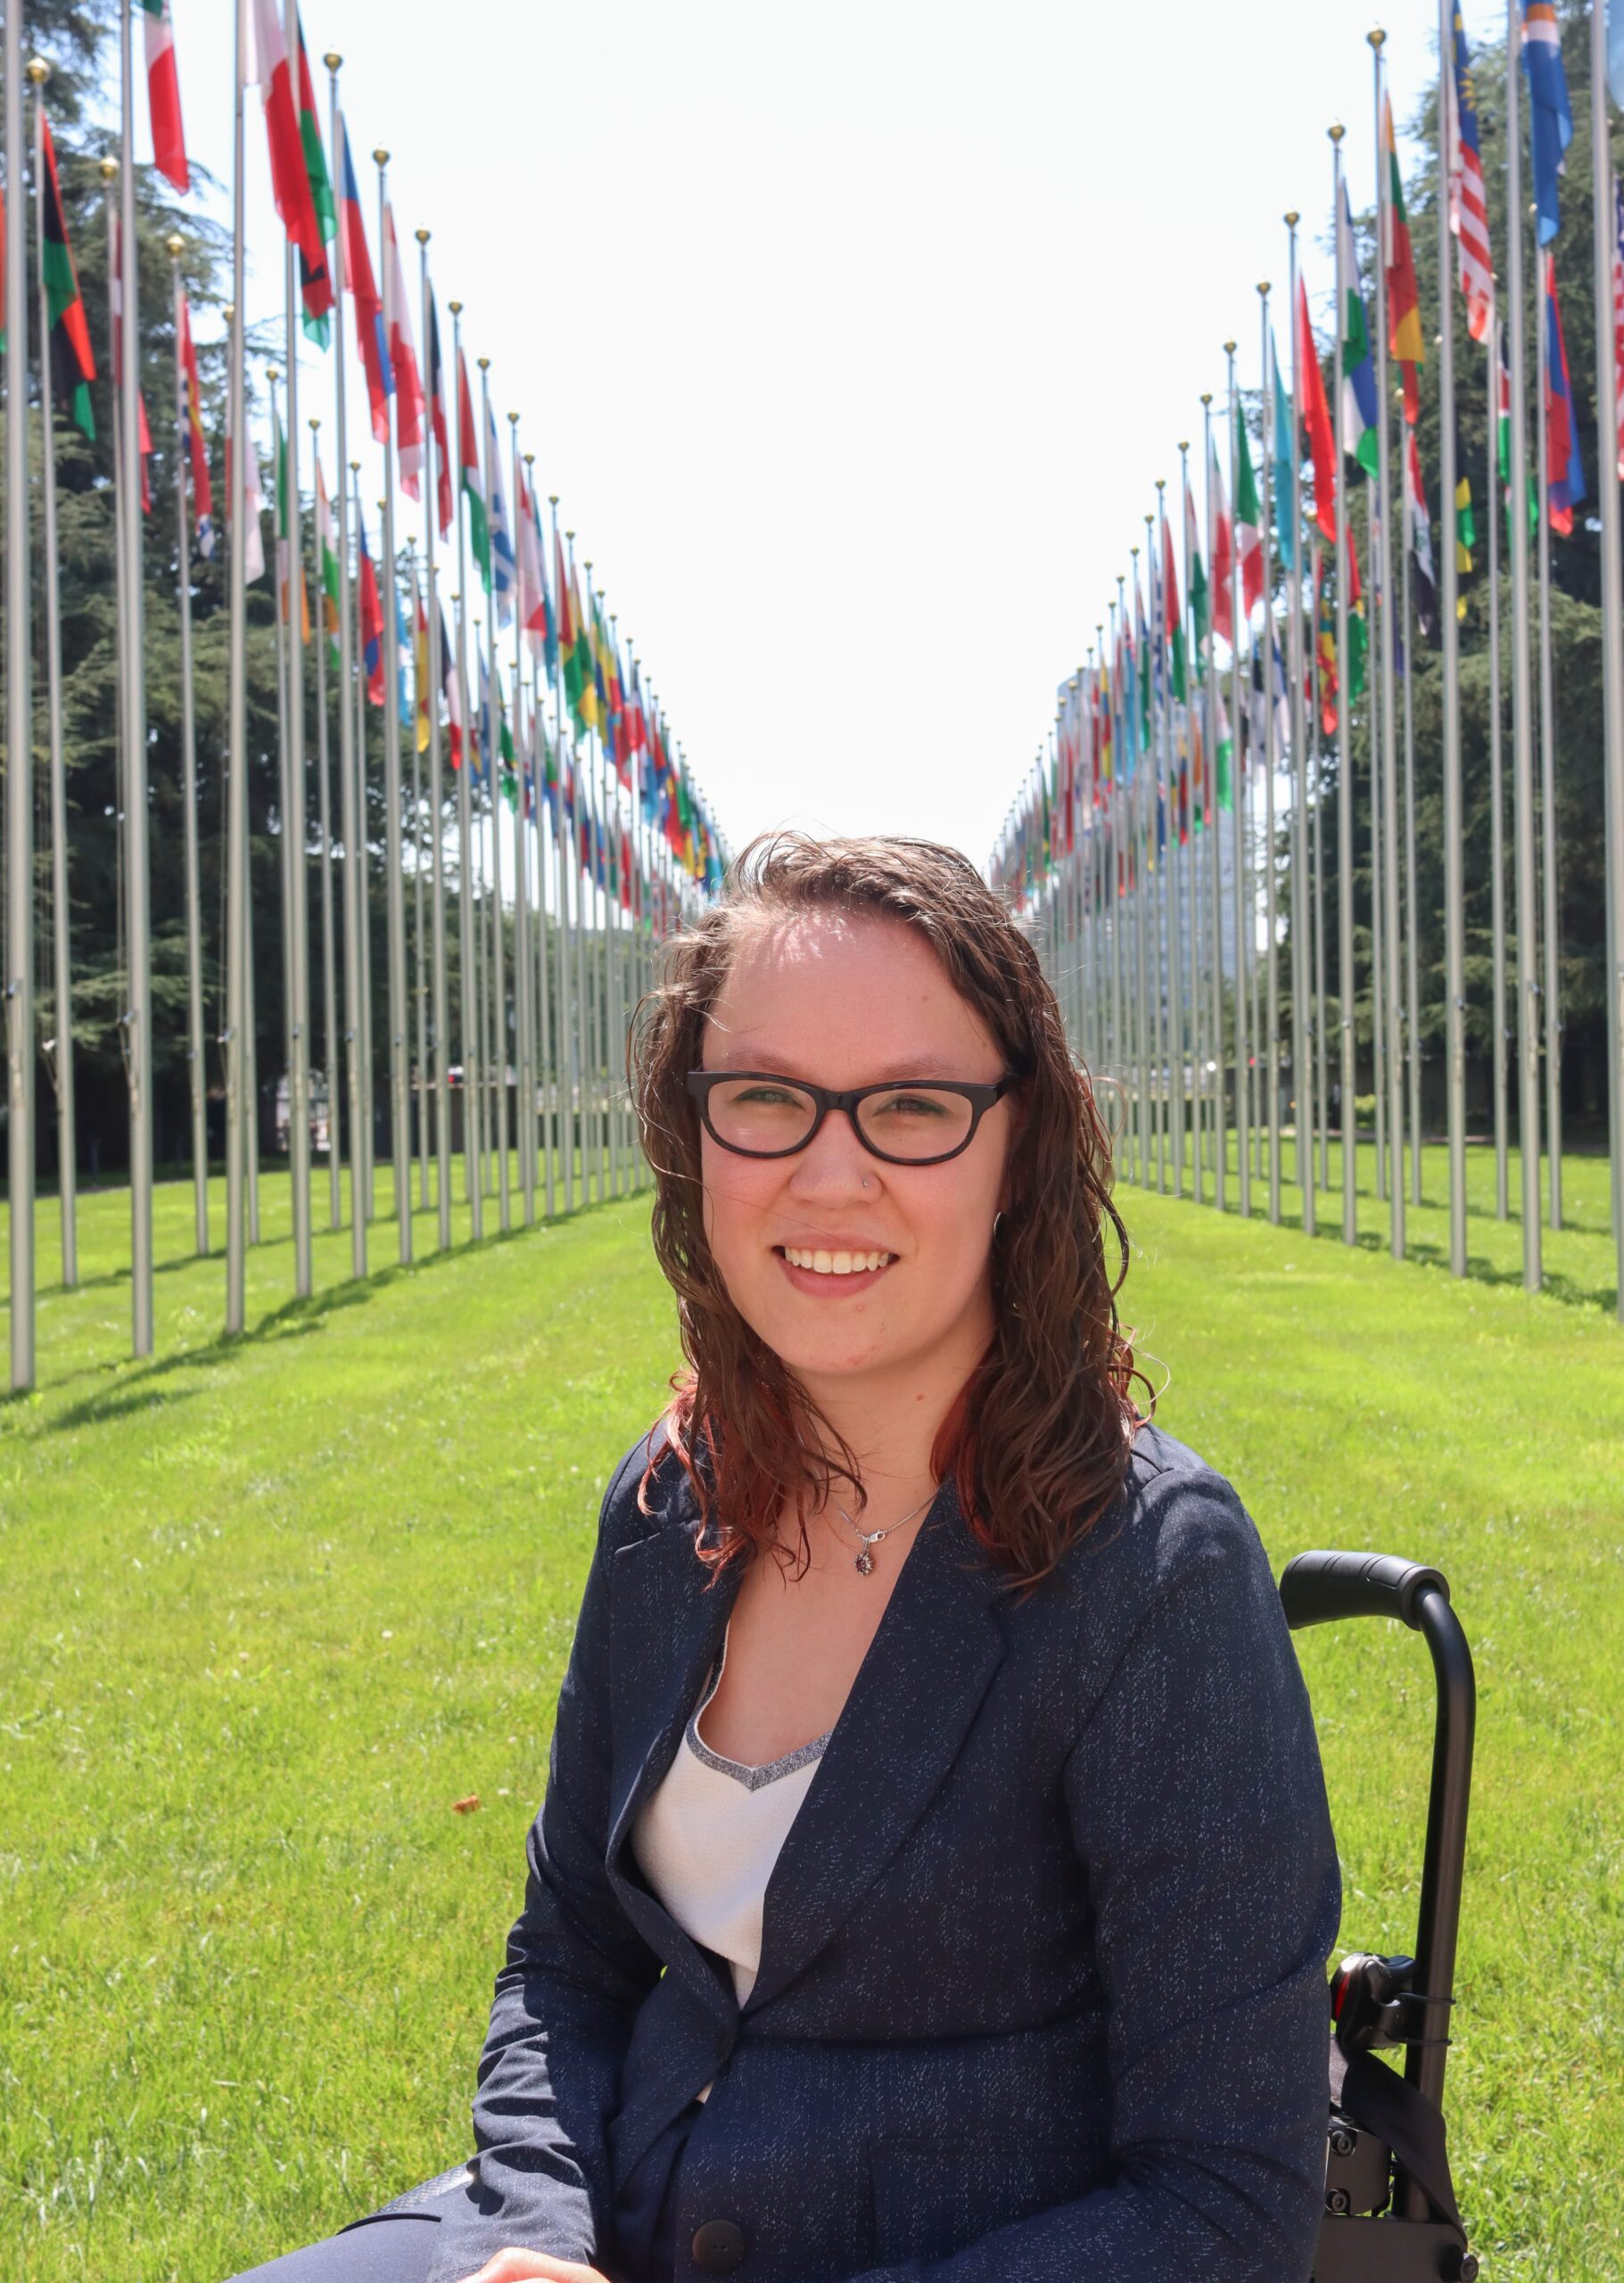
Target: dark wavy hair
1038	1441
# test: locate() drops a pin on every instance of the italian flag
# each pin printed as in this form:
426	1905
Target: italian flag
163	93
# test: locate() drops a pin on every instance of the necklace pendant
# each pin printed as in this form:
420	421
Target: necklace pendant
865	1562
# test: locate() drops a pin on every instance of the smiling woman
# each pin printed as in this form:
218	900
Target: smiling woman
935	1877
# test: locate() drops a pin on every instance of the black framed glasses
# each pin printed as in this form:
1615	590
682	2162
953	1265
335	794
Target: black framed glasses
761	1114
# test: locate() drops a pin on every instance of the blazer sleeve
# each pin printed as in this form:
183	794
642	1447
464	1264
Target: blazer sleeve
576	1973
1199	1810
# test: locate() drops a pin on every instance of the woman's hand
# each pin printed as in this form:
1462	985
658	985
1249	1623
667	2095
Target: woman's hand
513	2265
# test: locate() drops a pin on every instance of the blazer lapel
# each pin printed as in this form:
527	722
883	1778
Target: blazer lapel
910	1708
665	1632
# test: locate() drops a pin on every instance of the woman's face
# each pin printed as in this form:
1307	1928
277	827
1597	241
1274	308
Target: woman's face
845	1002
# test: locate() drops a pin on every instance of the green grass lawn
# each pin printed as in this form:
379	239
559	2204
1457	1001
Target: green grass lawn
271	1606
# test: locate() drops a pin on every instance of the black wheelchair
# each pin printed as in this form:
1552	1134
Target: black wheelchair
1391	2210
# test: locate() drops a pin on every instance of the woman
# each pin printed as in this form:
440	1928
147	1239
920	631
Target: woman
934	1872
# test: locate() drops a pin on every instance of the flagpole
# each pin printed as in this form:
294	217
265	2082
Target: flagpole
473	1053
1547	765
394	858
537	767
368	1062
1215	870
524	1102
295	824
236	777
1496	789
60	1047
18	735
329	988
1523	723
1171	880
1344	932
1376	615
1302	1076
132	692
493	770
1237	781
431	611
355	1075
1606	229
568	1028
1322	1043
282	544
1271	969
1411	929
420	1086
196	1074
1191	635
1156	871
1389	983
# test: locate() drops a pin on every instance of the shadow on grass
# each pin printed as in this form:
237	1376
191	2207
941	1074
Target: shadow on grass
151	1386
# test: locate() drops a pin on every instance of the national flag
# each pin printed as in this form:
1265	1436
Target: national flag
1200	608
253	508
197	448
450	690
1326	644
72	364
467	445
1222	555
1468	202
403	652
483	739
1550	117
1173	621
1285	462
1248	520
1404	337
163	93
1564	469
1358	633
299	175
1358	407
420	664
115	296
328	555
371	614
403	361
1225	771
502	568
281	521
1314	411
1424	581
533	617
579	666
369	335
561	639
1465	521
437	419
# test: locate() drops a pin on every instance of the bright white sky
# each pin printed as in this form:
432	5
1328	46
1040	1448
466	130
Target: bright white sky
852	338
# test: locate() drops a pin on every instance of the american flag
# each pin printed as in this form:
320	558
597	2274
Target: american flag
1468	206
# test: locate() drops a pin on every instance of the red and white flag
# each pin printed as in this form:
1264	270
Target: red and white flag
1223	557
532	587
163	93
403	360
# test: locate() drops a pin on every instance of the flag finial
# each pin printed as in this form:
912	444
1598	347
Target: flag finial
1263	288
315	424
110	170
422	236
1377	38
333	60
38	71
1292	217
1336	130
381	156
1229	349
1206	396
175	247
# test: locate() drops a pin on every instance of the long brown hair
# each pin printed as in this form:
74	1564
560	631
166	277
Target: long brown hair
1038	1441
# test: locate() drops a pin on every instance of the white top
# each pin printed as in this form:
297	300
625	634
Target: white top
708	1837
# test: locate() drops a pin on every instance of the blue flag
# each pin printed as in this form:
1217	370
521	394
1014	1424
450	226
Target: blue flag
1550	117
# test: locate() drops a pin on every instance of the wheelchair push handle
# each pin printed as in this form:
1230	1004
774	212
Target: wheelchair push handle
1318	1588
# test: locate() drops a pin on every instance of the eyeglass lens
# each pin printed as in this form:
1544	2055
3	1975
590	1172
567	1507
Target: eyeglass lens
909	1122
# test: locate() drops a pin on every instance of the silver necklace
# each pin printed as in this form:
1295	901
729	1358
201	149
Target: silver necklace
864	1562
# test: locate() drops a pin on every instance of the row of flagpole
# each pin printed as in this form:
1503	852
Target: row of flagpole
610	838
1170	972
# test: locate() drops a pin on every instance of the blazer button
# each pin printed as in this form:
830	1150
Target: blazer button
718	2246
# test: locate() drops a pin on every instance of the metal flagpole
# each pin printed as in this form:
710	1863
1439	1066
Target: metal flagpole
1157	867
394	852
1612	618
132	692
1345	917
324	824
1302	1007
1547	768
1496	792
356	1073
60	1047
420	988
1215	866
368	1062
1196	673
472	1055
1237	794
562	828
618	934
524	1099
1171	884
1378	886
295	824
195	1070
18	735
1412	927
1522	720
493	776
282	544
1322	1044
538	810
1388	983
437	820
1272	952
237	1108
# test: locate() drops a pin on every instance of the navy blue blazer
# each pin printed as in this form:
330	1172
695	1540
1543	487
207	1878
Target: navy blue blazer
1042	1995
